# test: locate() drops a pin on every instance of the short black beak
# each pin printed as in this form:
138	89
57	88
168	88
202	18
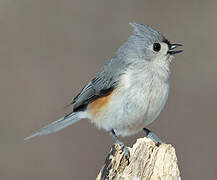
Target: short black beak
173	46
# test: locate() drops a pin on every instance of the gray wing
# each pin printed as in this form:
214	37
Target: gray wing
89	93
102	84
107	79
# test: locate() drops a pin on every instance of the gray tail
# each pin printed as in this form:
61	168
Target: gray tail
55	126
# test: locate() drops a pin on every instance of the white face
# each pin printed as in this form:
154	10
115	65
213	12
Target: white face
159	52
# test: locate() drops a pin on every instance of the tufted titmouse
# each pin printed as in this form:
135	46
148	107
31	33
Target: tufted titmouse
131	89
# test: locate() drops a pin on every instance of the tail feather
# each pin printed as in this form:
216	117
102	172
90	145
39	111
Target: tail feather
55	126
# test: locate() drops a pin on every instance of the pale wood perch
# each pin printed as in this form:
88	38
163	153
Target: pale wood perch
147	162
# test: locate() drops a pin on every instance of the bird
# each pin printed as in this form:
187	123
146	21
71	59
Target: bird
129	92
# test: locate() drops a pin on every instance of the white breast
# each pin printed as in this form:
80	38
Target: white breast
138	101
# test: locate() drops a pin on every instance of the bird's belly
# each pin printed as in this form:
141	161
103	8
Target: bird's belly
128	112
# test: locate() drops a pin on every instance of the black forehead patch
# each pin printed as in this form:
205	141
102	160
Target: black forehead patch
167	42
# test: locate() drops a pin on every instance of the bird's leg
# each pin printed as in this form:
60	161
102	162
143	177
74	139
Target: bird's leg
153	137
117	141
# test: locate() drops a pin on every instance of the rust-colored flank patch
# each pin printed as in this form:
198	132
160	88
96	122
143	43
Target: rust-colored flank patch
97	106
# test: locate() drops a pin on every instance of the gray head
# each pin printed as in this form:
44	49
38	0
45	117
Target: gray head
150	45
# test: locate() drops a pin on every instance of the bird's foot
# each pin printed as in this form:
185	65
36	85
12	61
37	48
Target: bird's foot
153	137
124	148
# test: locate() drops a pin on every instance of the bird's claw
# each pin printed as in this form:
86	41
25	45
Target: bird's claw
153	137
125	149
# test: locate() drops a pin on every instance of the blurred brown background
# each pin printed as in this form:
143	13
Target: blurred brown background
49	49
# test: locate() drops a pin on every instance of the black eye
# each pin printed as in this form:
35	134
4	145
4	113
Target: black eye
156	47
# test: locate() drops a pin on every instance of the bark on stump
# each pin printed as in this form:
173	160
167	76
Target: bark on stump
147	162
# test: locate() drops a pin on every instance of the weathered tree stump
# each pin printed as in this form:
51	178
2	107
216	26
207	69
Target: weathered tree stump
147	162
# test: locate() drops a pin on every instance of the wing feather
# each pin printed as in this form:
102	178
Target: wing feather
105	81
89	93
